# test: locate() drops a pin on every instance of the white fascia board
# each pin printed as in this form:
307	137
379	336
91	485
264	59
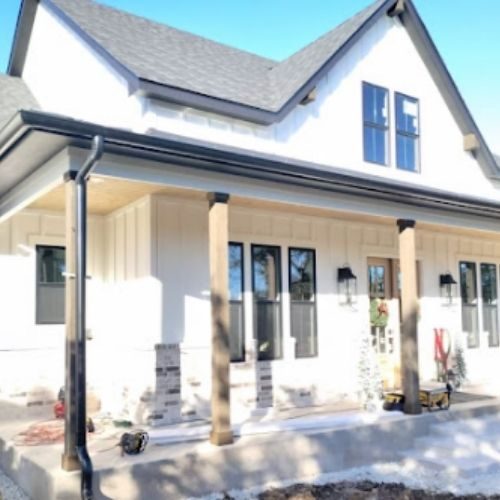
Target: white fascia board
197	179
41	181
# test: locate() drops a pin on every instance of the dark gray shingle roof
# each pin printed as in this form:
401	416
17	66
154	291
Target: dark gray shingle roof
497	159
14	95
168	56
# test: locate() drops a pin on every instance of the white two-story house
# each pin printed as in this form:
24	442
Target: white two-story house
344	192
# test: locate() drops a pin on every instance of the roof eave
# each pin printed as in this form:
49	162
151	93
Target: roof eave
446	85
22	36
186	152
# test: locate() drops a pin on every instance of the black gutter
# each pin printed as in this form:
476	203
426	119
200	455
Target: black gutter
223	159
80	315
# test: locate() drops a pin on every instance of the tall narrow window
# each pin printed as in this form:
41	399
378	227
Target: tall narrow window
407	133
266	278
490	304
236	317
302	275
375	124
50	265
468	292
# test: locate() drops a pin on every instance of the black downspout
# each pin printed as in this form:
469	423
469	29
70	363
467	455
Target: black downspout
81	289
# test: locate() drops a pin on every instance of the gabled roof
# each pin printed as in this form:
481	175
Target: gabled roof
188	69
164	55
14	95
180	67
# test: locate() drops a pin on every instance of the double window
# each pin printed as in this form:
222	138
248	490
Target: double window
489	299
267	301
50	265
376	128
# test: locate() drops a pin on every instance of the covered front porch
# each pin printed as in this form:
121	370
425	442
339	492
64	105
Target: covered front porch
162	227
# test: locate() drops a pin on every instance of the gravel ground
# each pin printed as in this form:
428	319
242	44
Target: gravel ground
393	480
9	490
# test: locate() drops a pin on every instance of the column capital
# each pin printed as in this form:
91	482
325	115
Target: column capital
216	197
405	224
70	175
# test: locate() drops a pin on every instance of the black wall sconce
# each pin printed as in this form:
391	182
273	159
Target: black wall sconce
446	285
347	285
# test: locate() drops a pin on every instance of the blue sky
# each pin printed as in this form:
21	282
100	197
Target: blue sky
466	33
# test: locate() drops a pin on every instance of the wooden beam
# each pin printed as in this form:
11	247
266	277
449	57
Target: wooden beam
310	97
218	223
471	142
397	9
70	460
409	313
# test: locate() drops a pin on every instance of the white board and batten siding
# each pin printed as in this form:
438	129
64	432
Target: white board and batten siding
38	348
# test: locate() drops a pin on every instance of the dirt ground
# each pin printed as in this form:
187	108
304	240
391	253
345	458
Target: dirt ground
364	490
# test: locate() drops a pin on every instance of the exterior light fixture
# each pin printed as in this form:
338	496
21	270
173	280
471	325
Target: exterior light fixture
347	285
446	285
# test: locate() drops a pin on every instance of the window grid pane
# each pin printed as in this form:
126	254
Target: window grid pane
50	285
489	298
407	133
266	281
302	283
236	307
468	292
375	124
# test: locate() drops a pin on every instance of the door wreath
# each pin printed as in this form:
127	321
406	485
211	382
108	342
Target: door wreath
379	313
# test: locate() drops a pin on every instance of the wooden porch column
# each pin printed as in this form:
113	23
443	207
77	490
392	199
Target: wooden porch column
69	458
221	433
409	312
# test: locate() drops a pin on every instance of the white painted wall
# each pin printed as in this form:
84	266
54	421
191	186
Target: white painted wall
329	130
150	285
182	271
32	355
67	77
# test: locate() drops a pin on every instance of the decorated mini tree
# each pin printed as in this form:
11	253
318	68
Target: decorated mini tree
369	376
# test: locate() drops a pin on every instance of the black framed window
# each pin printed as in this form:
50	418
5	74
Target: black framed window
375	124
236	307
50	284
489	296
468	293
407	133
302	287
266	284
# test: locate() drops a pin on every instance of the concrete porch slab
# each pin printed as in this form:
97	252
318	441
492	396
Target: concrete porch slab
194	468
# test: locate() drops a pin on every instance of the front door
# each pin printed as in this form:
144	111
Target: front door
383	277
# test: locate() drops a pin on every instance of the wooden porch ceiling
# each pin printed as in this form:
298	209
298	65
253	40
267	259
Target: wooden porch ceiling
106	194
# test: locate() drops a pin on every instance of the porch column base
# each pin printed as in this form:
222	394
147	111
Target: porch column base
221	438
70	462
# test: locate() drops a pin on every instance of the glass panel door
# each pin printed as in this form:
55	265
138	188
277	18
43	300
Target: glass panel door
266	280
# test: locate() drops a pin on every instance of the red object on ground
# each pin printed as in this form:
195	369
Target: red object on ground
59	409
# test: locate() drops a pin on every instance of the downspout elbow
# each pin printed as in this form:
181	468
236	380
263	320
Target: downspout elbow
94	157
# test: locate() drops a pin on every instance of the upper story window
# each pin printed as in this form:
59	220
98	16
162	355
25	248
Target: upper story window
407	133
375	124
50	284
